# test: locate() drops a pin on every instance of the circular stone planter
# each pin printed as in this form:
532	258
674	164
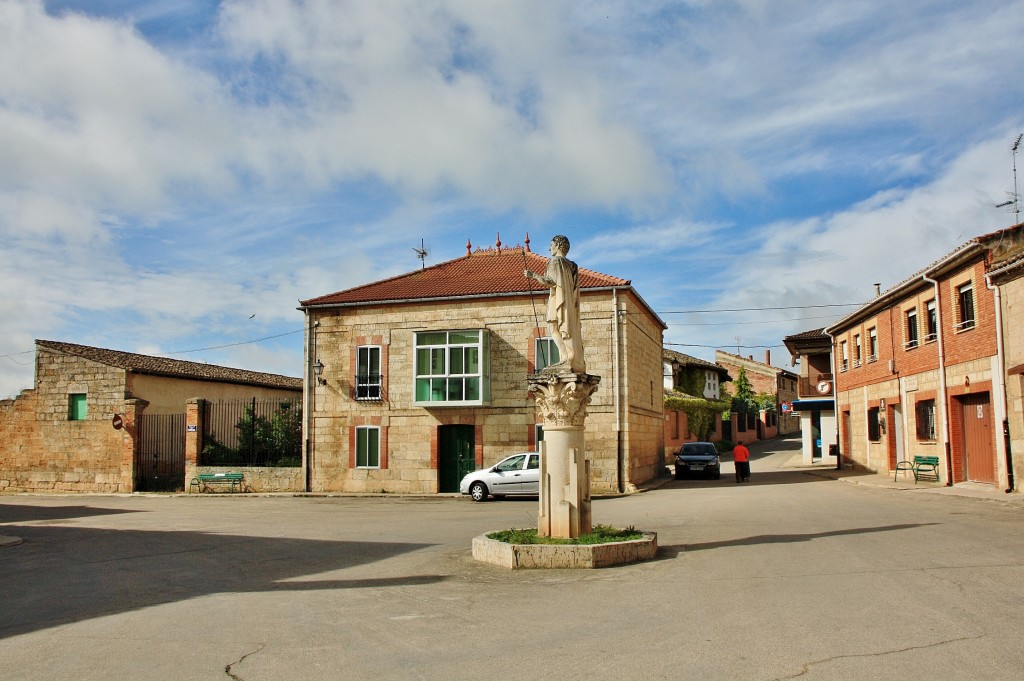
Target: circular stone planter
550	556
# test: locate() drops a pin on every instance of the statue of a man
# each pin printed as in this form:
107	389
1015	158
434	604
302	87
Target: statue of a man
562	277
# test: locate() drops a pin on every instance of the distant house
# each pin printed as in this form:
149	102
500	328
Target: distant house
815	404
764	379
685	378
86	423
922	370
415	380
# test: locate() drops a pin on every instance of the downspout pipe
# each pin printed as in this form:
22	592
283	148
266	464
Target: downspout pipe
620	455
835	399
942	381
1001	383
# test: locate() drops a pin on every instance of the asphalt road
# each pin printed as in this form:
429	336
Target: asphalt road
789	576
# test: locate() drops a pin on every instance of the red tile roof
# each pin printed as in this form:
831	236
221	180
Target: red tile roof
177	368
485	272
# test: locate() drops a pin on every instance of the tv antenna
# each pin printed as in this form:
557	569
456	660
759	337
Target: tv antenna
1014	199
422	252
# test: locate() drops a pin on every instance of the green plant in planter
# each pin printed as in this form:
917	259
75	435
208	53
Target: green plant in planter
601	534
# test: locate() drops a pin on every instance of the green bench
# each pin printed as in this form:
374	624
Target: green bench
921	467
204	480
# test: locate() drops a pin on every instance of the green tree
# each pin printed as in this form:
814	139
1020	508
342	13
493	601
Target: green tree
743	402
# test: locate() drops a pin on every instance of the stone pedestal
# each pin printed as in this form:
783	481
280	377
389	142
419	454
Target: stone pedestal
562	400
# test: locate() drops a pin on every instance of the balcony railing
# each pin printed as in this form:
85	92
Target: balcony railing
819	385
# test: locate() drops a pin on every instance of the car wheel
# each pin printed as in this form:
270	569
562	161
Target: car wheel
718	475
478	491
679	474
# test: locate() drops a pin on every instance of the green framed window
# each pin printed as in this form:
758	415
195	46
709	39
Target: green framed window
77	407
452	368
367	447
546	353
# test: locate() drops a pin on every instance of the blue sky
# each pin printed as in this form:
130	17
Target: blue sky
177	175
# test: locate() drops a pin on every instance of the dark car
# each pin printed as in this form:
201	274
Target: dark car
698	457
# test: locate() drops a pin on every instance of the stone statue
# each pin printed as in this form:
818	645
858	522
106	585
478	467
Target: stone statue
562	277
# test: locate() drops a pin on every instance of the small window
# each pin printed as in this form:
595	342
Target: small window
547	353
874	429
856	351
932	322
911	329
534	462
77	407
965	302
367	447
844	357
924	411
872	344
368	377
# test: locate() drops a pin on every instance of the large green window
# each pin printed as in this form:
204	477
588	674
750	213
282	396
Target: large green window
367	447
547	353
452	367
77	409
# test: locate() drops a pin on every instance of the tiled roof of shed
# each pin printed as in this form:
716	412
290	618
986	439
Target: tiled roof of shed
482	273
686	360
176	368
814	334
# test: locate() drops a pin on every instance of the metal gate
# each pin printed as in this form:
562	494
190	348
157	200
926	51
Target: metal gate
160	463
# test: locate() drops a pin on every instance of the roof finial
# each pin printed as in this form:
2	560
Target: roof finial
469	248
498	242
528	243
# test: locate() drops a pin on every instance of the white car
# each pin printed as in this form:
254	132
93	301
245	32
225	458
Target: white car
516	474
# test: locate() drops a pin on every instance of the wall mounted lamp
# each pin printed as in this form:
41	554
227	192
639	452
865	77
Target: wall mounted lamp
318	370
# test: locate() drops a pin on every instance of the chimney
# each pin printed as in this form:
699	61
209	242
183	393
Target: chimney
878	290
768	357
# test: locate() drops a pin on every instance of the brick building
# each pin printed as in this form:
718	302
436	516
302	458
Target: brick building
919	370
815	404
765	379
59	436
415	380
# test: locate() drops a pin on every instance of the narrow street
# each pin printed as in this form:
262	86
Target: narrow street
793	575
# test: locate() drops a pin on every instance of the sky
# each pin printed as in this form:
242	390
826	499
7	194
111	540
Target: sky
176	175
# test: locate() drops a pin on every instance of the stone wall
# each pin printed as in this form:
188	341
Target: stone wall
43	450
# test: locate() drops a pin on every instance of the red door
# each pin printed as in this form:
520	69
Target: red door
978	446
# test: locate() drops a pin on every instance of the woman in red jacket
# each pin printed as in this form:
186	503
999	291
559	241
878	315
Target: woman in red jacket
741	459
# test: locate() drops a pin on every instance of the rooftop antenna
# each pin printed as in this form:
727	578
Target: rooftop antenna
1014	199
422	252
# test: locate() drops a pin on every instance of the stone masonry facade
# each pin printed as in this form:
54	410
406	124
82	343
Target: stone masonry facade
409	444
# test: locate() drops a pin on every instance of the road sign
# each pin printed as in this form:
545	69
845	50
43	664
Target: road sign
117	422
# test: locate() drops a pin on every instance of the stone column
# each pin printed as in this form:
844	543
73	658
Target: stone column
562	399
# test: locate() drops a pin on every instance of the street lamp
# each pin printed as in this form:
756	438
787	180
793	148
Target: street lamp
318	370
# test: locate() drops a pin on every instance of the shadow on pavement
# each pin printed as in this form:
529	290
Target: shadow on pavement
774	477
673	550
66	574
17	513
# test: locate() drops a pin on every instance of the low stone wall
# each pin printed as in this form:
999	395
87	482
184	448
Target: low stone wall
256	479
552	556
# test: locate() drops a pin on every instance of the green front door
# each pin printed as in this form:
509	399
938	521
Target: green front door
454	457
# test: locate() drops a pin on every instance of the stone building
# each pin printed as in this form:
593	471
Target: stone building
415	380
922	371
62	434
686	375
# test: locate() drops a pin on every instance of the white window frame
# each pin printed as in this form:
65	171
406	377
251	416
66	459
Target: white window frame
371	453
873	344
369	383
966	322
931	321
913	339
440	360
